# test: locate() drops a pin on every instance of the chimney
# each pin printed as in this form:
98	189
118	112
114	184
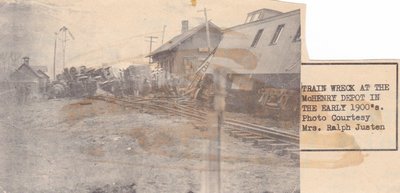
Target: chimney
185	26
26	60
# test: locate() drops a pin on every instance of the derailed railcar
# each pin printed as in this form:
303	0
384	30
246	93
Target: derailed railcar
136	80
270	95
73	82
83	81
274	96
110	80
260	61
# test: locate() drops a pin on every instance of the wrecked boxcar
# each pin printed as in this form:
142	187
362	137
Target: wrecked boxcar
73	82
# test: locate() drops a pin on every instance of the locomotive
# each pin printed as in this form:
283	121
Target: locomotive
74	83
83	82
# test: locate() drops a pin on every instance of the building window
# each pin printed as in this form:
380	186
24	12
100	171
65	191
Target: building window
257	38
297	38
247	19
256	16
242	83
277	34
260	16
251	18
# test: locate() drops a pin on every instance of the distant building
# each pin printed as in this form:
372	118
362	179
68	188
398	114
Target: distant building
183	54
26	76
44	80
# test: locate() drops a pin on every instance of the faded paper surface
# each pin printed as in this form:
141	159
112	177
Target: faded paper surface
80	144
352	160
133	96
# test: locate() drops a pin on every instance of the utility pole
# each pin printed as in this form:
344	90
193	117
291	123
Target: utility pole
214	149
64	30
55	52
151	44
163	33
207	28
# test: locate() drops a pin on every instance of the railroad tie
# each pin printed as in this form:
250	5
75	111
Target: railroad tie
240	134
276	146
264	141
225	128
251	138
243	135
295	155
235	131
286	151
228	127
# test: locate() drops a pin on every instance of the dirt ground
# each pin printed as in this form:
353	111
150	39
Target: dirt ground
96	147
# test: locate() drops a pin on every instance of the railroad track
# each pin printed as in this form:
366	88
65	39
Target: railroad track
272	139
155	105
264	137
278	142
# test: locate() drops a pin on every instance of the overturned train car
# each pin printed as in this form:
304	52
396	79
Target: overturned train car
260	61
74	82
82	81
136	80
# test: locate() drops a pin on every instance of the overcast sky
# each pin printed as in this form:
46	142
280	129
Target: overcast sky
121	26
109	30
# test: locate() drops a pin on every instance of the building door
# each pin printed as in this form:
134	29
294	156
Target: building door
190	65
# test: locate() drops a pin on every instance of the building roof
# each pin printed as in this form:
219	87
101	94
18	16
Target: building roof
29	68
42	74
261	14
276	12
42	68
175	41
237	54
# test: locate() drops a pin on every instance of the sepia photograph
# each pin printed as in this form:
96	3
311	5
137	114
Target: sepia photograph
150	96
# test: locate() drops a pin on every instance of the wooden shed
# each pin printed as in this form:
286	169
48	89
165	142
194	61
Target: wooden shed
25	77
